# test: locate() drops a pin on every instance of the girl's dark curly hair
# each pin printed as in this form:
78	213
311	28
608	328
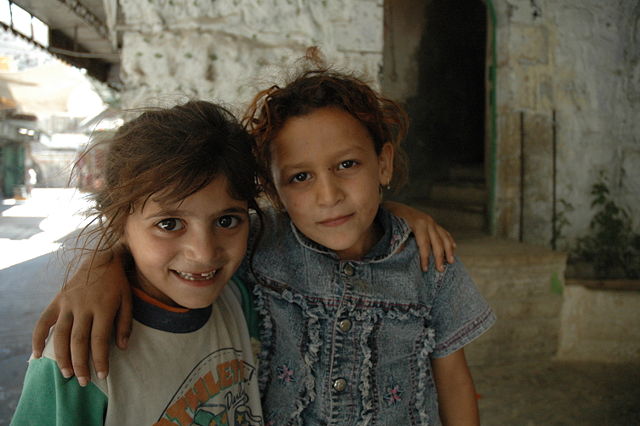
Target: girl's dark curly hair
317	88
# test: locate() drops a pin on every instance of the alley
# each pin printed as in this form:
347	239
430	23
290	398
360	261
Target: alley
31	272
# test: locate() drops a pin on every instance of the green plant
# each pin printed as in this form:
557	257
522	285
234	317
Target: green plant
611	246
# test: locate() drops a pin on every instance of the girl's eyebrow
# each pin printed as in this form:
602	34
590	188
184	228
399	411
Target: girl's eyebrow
304	164
178	212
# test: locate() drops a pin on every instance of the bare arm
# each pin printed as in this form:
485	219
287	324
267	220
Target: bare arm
429	235
456	392
84	313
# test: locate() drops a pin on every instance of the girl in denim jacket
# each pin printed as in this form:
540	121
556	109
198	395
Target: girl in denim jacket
353	331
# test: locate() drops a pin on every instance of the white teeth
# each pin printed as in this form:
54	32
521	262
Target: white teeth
197	277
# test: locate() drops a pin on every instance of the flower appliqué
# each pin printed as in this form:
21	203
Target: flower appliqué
285	374
394	395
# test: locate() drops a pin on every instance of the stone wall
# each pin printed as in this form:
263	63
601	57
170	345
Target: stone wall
226	50
568	72
568	81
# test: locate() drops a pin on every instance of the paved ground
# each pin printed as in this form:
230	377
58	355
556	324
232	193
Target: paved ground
31	272
543	393
548	393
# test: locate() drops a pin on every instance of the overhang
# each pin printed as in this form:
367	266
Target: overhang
79	34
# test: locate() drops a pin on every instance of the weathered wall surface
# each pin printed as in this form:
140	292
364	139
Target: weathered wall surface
575	60
580	60
225	50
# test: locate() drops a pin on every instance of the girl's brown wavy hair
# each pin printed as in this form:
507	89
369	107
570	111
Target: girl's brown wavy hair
168	154
319	86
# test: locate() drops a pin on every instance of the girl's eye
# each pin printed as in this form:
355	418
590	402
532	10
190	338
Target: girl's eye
228	221
300	177
347	164
170	224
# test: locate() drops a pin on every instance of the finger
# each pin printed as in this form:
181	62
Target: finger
43	326
61	337
437	245
424	247
100	335
124	320
449	245
80	341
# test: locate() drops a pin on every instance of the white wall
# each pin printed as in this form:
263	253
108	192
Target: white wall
227	49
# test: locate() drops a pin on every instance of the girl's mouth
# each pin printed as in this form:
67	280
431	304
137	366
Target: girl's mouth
196	277
336	220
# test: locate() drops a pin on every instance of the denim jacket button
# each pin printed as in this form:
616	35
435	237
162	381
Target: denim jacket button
339	384
344	325
348	269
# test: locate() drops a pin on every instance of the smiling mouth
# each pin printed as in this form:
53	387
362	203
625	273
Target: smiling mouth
336	220
197	277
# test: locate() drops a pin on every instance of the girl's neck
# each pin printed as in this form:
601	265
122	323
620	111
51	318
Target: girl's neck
372	236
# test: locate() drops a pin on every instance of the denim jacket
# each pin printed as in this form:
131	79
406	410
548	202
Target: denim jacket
350	342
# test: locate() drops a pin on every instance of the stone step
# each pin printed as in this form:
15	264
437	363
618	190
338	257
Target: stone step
463	193
468	173
456	218
523	283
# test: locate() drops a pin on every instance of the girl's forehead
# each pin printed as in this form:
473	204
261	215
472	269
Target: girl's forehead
323	124
323	136
216	190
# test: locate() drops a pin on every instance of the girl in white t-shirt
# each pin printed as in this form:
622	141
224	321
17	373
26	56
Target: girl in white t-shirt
179	184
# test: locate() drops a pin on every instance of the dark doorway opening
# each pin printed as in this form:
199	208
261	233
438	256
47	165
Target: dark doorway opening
446	140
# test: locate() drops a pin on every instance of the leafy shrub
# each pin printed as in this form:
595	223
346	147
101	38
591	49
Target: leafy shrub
611	246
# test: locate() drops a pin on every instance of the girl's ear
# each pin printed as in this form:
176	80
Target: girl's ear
385	164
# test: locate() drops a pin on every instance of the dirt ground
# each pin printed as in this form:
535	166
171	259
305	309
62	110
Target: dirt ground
559	393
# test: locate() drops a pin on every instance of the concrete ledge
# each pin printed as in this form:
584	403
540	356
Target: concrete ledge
624	285
600	325
491	252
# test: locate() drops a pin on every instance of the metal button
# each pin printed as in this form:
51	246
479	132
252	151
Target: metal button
344	325
339	384
348	269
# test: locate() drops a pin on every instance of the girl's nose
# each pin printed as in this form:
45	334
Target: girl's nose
328	191
201	247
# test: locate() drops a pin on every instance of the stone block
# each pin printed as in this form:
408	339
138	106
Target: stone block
537	146
523	85
529	44
600	325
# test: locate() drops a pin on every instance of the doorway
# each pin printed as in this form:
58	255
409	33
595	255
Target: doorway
446	139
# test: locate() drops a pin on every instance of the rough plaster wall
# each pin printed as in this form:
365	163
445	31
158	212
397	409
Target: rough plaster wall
400	71
226	50
580	58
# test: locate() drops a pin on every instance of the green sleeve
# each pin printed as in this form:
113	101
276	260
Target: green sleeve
248	308
50	399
